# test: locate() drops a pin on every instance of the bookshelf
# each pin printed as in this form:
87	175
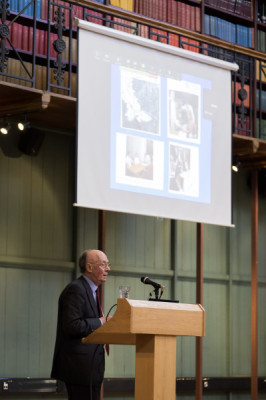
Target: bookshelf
240	22
42	43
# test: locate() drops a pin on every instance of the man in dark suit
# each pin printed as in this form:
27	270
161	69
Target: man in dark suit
81	366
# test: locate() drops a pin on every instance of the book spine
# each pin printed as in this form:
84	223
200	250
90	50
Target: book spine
233	33
14	34
163	8
144	8
187	16
17	35
44	9
25	38
30	44
20	4
13	5
77	11
182	15
197	20
207	30
136	6
38	8
213	25
115	3
66	11
169	11
40	42
155	10
192	19
174	12
74	85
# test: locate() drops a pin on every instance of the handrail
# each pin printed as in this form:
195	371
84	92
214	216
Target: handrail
140	19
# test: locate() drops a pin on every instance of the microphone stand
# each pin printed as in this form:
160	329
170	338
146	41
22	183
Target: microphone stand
156	293
158	298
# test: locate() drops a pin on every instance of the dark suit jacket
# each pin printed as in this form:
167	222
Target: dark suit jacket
78	316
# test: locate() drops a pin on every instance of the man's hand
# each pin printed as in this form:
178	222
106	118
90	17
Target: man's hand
105	319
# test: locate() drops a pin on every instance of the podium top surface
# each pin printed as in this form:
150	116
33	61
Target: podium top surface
136	317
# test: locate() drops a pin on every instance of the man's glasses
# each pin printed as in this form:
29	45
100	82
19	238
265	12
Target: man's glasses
103	264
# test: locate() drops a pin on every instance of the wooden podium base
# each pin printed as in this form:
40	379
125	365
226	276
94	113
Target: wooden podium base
155	375
152	327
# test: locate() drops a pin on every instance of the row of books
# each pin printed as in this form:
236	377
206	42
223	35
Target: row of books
242	8
184	15
42	8
172	11
261	40
19	5
261	99
16	68
21	37
163	10
261	128
125	4
261	71
228	31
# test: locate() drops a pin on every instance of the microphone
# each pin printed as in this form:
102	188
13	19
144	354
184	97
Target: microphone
147	281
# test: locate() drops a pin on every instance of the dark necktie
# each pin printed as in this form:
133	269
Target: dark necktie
101	315
99	303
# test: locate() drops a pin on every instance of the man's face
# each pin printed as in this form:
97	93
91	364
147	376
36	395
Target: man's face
97	267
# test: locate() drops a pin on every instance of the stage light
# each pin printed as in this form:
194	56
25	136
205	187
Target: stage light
236	166
22	126
5	129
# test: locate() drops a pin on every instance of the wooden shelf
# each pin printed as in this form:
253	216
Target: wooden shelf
251	152
47	109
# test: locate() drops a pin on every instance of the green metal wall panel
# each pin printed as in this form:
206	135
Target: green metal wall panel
240	354
138	241
240	242
262	331
28	311
36	196
186	248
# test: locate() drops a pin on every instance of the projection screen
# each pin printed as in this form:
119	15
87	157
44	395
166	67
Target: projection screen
154	128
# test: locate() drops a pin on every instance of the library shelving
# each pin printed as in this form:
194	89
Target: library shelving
39	45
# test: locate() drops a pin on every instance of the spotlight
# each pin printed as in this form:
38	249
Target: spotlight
5	129
22	126
236	166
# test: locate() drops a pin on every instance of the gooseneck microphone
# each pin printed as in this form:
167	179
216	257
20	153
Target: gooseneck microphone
147	281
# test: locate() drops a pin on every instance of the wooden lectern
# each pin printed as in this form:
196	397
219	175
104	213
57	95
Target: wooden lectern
152	326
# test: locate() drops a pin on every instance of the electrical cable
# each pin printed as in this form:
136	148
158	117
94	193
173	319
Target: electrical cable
107	315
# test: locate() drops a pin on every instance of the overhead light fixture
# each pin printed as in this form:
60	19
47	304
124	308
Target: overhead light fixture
23	125
5	129
236	166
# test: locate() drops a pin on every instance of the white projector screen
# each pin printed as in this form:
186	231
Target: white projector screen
154	128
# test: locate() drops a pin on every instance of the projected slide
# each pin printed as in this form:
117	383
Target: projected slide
156	137
154	128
